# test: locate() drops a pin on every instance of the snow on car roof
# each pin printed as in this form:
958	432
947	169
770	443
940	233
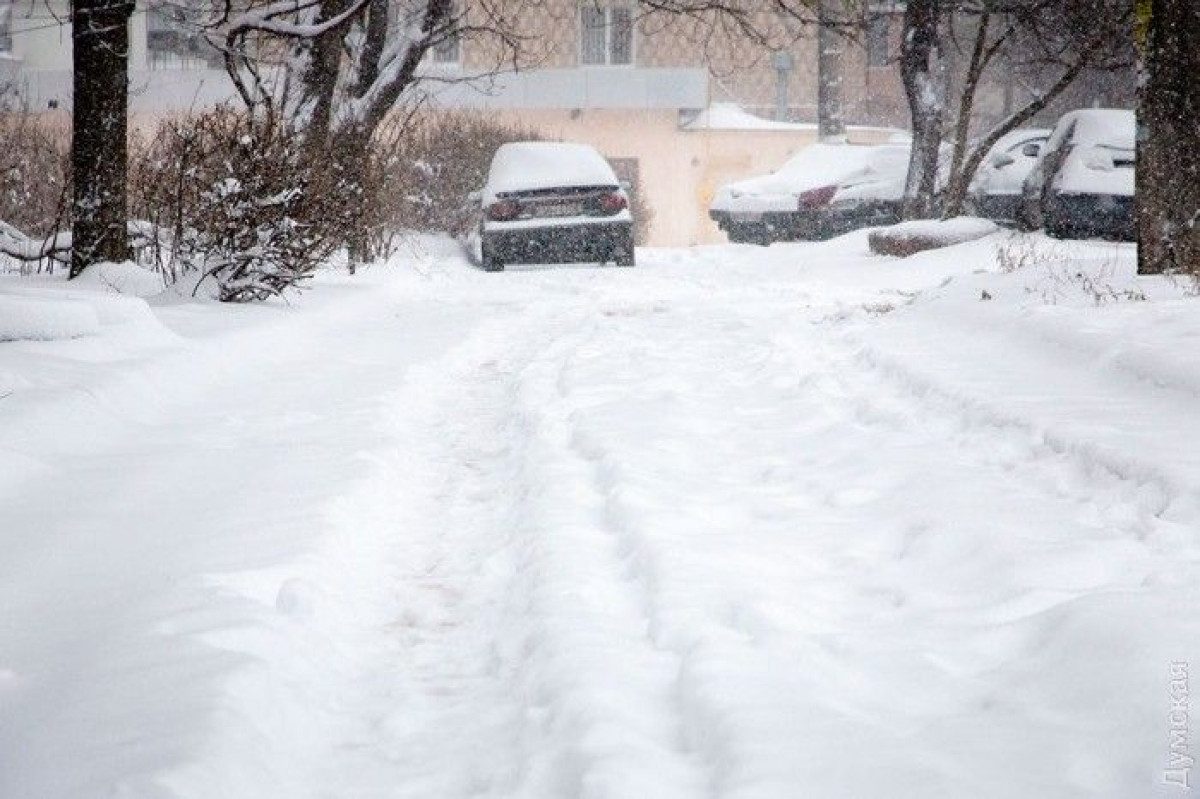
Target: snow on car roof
1109	127
830	163
528	165
731	116
879	169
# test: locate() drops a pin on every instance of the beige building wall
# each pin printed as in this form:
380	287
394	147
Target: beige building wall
740	69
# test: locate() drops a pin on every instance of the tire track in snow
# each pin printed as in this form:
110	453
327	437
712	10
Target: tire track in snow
608	691
866	602
1159	491
441	711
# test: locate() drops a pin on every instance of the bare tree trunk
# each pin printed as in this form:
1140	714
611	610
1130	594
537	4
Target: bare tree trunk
99	122
956	188
962	171
830	124
1168	161
921	67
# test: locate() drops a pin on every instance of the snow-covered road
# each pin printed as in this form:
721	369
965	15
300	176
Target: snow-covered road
736	524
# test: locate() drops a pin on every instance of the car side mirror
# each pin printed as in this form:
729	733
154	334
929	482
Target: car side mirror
1001	160
625	185
1032	149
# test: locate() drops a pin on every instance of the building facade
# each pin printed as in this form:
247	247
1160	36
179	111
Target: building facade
639	88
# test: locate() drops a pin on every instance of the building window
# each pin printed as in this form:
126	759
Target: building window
174	39
5	27
627	171
606	34
447	50
878	28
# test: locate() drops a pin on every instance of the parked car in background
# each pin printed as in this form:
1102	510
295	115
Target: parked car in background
1083	182
995	192
552	202
822	191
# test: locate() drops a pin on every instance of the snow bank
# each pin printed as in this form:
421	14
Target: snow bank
695	531
908	238
121	278
45	319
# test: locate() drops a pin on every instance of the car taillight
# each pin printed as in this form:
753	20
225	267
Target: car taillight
612	203
815	198
503	210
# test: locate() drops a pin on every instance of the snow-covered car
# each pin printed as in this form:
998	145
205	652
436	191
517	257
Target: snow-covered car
1083	183
822	191
552	202
995	192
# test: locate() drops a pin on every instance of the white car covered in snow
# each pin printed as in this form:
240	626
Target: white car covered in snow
1083	183
552	202
822	191
995	192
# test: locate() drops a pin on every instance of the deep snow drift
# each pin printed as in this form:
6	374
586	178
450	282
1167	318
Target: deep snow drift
740	522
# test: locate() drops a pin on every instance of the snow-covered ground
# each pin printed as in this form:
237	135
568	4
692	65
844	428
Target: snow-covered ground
738	523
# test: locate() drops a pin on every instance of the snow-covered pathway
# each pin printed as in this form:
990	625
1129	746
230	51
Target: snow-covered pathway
728	525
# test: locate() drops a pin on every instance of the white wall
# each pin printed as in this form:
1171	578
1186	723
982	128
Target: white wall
40	64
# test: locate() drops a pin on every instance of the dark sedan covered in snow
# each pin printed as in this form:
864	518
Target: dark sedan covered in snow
995	192
1083	183
822	191
552	202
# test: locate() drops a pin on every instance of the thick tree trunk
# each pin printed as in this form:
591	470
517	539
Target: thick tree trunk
922	68
830	124
1168	161
99	120
320	61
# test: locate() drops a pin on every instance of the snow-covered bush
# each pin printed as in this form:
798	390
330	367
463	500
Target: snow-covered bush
34	170
430	161
35	187
238	210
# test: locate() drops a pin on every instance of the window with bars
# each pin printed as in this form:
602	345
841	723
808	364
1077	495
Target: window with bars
606	34
174	39
448	50
878	48
5	27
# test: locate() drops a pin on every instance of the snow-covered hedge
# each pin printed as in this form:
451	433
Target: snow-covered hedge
34	174
237	209
908	238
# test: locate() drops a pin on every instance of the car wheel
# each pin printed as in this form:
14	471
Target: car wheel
622	253
1057	225
1025	214
749	234
1057	229
488	260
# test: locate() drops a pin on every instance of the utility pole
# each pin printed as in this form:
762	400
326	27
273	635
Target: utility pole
830	125
784	64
